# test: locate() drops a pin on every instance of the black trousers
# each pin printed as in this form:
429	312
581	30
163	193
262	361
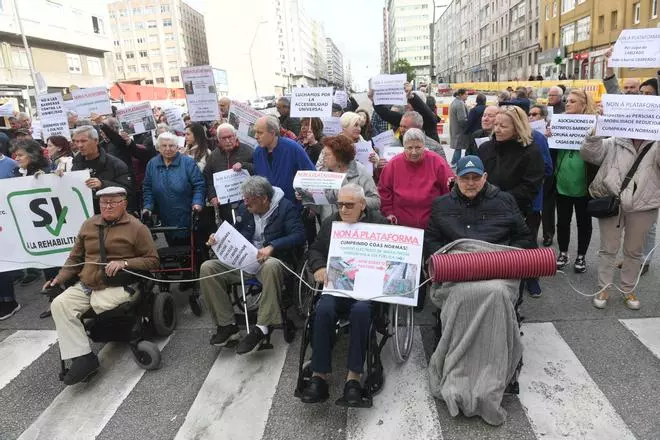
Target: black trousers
548	213
565	207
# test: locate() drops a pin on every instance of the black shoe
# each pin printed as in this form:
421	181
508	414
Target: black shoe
250	341
547	241
31	275
8	309
81	368
580	266
645	269
353	392
224	335
316	391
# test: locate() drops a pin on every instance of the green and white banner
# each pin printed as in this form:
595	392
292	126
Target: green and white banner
40	218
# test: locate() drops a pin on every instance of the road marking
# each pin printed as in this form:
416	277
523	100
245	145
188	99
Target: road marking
20	349
647	331
558	395
237	388
81	411
405	408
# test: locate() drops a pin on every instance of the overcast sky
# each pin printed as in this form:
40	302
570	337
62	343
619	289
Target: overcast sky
354	25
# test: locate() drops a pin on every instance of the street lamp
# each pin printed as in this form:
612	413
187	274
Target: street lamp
254	37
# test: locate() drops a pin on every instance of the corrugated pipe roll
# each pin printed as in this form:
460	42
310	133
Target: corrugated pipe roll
473	266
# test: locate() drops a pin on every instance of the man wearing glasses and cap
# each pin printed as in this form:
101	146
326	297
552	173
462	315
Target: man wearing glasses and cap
114	237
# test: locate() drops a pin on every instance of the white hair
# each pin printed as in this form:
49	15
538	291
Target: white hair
355	189
225	126
349	119
414	134
86	129
167	136
556	89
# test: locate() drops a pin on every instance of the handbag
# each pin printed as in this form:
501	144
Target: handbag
605	207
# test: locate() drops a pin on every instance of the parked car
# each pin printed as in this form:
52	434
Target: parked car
259	104
272	101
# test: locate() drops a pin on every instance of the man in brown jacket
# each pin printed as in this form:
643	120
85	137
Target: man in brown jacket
127	245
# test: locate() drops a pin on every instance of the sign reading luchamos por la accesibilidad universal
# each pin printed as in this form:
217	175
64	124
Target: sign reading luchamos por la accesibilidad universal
40	218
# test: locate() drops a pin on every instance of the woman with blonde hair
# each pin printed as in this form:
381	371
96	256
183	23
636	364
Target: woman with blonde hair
571	189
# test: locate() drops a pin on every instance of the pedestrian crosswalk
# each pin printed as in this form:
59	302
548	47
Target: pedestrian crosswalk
202	392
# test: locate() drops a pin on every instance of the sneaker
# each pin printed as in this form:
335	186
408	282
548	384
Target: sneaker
224	335
81	368
8	309
600	301
316	391
562	260
533	287
632	302
250	341
580	266
353	392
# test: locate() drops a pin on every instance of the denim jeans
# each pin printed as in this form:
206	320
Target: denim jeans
456	157
7	286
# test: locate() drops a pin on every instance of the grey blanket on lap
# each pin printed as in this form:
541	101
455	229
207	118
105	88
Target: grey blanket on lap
480	346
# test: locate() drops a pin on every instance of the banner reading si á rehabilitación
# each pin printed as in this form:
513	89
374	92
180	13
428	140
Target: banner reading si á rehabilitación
375	262
40	218
201	95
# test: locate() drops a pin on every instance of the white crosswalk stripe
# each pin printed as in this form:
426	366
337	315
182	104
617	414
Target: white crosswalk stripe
558	396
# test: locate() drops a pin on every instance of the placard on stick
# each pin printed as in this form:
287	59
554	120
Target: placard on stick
312	102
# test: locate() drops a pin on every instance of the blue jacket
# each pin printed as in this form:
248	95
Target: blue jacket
284	230
171	191
474	119
542	142
288	158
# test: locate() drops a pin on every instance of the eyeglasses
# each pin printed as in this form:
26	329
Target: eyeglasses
347	205
110	204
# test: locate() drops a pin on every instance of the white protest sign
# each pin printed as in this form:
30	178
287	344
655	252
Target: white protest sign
227	185
390	152
234	250
91	100
551	111
174	116
311	185
363	150
136	119
37	130
480	141
52	115
7	109
388	89
331	126
247	117
341	98
40	218
201	95
637	48
383	140
375	262
311	102
569	131
539	125
630	116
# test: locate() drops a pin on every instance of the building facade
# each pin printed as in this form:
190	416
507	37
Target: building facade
154	39
63	55
335	65
408	34
487	40
577	33
385	65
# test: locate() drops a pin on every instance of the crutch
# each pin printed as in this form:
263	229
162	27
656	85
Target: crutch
240	271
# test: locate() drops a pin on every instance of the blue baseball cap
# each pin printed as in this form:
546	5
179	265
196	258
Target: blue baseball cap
469	164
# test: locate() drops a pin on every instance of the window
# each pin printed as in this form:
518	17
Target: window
118	56
579	2
137	11
116	43
654	8
74	63
172	64
601	24
143	53
554	8
153	39
130	55
169	37
171	50
155	53
94	66
138	25
151	24
19	57
2	9
125	27
97	25
164	8
158	66
614	20
132	69
636	12
145	67
123	12
167	23
554	39
567	5
139	40
583	28
567	34
174	78
148	82
160	80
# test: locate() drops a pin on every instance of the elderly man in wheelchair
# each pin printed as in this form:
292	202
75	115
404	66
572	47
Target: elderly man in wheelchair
272	224
114	237
479	352
352	205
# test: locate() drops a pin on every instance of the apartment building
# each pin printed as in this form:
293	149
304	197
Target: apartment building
154	39
408	34
335	64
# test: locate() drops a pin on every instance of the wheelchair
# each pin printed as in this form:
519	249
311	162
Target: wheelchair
151	314
389	321
180	259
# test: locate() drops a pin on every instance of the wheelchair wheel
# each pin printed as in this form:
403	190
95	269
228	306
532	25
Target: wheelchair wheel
147	355
164	313
289	330
401	328
305	294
